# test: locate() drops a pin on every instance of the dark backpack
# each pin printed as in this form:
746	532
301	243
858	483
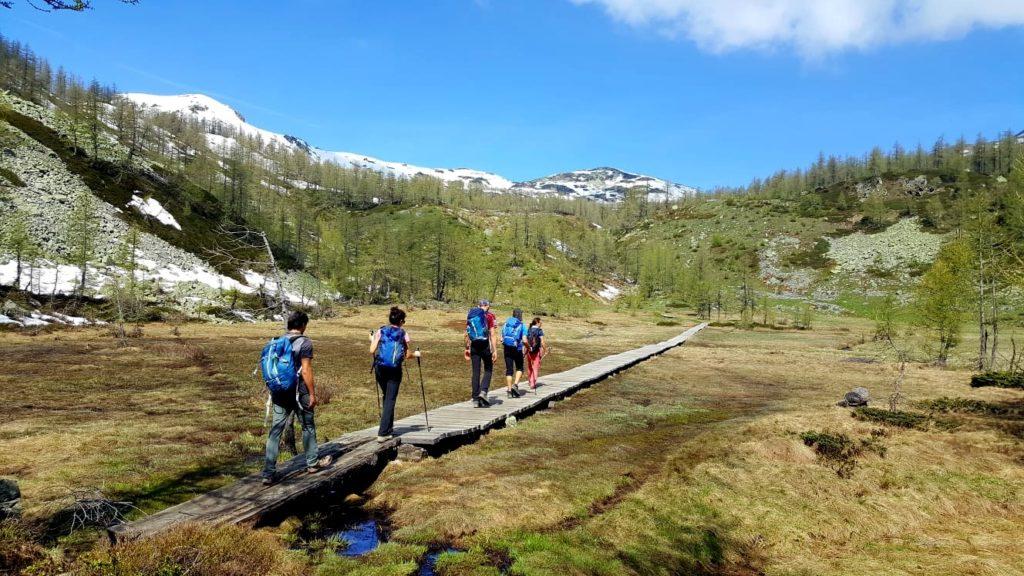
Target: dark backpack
533	340
476	324
391	347
512	333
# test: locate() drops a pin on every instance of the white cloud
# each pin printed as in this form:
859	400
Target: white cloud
813	27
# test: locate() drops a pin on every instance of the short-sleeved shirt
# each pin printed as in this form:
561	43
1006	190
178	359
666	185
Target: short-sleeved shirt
492	321
302	347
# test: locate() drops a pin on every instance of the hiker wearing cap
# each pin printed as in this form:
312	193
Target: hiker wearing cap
536	349
481	350
287	364
390	348
513	336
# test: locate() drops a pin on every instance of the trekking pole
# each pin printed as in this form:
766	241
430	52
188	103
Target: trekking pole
423	390
373	369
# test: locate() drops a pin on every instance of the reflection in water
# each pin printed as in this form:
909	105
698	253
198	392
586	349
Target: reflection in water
366	535
363	537
427	568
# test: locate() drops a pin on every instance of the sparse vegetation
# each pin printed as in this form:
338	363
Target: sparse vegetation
840	452
998	380
895	418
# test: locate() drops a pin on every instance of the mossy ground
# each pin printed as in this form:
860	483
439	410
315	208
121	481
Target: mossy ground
690	463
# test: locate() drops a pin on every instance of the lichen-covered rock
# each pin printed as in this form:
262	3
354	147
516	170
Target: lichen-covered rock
10	499
857	397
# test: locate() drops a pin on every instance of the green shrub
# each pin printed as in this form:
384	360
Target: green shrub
840	452
971	406
897	418
998	379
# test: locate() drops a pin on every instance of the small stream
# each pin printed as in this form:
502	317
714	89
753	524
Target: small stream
364	533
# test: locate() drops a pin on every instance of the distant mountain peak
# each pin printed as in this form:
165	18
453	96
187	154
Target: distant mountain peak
604	184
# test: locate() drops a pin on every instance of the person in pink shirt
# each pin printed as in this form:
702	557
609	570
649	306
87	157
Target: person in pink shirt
536	349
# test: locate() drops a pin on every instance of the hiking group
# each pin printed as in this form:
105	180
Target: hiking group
286	364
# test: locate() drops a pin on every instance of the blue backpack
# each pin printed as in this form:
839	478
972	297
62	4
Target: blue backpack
277	362
512	333
391	347
476	324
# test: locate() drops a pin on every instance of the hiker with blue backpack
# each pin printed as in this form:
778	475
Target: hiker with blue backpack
287	367
390	348
513	336
481	350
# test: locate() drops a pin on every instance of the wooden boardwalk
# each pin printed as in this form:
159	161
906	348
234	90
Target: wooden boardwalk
358	453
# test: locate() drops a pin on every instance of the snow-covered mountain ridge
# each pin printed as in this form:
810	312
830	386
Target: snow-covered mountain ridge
601	184
604	184
216	115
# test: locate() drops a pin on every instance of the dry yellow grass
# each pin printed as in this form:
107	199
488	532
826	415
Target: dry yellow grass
170	416
689	463
711	473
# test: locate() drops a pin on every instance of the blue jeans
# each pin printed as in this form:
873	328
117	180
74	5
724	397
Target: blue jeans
305	418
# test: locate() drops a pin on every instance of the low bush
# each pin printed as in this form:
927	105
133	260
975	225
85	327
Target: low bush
896	418
998	379
18	547
841	452
971	406
197	551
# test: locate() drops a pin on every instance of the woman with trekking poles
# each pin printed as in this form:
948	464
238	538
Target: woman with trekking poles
390	348
513	336
536	349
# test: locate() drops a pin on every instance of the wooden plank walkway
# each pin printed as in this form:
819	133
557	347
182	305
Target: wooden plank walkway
248	501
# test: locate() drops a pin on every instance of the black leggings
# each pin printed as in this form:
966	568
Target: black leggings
388	379
480	357
513	360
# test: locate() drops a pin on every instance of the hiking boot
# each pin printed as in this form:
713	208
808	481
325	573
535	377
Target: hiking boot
385	438
320	465
267	480
513	393
482	402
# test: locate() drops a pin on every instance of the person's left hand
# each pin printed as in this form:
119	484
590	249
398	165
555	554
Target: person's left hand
494	356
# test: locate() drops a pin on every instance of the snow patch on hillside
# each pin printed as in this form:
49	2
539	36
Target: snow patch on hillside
609	292
151	207
219	117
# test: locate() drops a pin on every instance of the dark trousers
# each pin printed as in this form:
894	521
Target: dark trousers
389	380
480	356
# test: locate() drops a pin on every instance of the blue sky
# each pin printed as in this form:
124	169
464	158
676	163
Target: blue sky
526	88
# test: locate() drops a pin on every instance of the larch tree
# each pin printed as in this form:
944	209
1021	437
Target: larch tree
16	240
82	235
942	297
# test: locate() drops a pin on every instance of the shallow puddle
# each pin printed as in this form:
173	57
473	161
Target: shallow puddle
363	537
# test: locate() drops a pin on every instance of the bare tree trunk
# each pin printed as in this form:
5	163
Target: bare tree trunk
277	278
982	331
995	328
